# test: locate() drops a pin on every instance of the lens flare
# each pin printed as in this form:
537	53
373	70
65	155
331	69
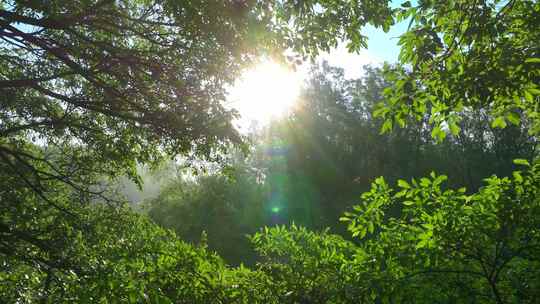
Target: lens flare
264	92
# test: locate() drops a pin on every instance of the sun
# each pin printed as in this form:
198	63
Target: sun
265	91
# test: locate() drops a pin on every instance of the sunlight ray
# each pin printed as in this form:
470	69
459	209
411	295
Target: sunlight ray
264	92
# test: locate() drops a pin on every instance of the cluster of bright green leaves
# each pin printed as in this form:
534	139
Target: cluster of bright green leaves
125	258
316	26
311	267
431	243
463	55
326	151
437	244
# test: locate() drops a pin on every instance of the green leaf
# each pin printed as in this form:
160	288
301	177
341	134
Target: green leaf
513	118
362	232
387	126
522	162
400	194
422	243
440	179
517	176
528	96
498	122
438	134
400	121
428	226
403	184
380	112
371	227
424	182
534	91
454	128
532	60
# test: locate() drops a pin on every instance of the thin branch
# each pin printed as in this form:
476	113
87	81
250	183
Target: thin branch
33	187
19	83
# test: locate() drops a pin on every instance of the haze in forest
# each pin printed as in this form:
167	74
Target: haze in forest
275	151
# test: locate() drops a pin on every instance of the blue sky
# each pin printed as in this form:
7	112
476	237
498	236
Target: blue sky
381	47
385	45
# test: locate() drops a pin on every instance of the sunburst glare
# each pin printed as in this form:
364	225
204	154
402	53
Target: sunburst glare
266	91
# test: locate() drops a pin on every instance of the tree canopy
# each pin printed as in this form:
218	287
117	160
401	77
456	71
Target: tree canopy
467	54
91	89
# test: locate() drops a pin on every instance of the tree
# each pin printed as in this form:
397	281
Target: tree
223	209
92	117
467	55
463	63
447	246
119	82
122	257
328	149
90	89
428	243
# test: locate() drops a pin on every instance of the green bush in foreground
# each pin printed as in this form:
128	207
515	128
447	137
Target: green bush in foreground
418	244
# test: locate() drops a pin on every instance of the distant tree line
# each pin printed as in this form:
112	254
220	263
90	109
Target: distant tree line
313	164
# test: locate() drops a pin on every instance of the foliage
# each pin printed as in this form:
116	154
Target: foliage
125	81
123	258
467	55
90	89
225	209
312	165
434	244
309	267
320	157
450	247
321	25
